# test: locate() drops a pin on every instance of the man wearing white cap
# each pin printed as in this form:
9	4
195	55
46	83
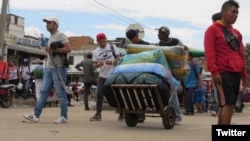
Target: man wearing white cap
59	46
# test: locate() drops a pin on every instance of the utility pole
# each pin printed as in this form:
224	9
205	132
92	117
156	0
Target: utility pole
3	49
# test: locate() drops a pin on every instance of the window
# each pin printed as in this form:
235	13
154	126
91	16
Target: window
16	20
71	60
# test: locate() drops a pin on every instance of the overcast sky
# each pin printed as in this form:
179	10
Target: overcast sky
187	19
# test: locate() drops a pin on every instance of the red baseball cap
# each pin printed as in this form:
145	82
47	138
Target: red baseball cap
100	36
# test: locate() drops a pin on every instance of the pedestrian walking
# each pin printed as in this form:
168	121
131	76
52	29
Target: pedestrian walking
89	77
104	59
55	73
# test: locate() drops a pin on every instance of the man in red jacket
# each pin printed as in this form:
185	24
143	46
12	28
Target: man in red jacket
225	58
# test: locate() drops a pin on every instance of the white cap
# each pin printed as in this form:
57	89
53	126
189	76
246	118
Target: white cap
52	19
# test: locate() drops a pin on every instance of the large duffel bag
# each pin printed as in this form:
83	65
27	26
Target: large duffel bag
136	78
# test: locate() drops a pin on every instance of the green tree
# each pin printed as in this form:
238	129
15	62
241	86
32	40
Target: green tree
247	56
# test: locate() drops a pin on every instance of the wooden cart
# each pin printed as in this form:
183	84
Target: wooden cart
135	99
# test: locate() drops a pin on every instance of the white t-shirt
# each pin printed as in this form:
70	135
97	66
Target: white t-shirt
105	53
24	70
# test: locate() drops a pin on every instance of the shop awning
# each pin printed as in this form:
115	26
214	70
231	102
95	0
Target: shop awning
197	52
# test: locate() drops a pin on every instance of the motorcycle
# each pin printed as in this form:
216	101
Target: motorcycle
6	95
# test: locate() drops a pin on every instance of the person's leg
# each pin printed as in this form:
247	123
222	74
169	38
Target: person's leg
99	99
60	89
86	95
189	109
45	88
175	103
228	92
33	87
26	88
199	96
225	114
196	100
76	96
200	109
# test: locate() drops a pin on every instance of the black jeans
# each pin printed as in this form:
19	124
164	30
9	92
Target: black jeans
87	87
189	104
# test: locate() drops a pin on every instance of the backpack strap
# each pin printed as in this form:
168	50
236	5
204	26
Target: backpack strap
231	39
22	68
113	50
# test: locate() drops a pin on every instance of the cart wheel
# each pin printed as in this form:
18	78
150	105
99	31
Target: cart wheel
168	119
6	101
131	120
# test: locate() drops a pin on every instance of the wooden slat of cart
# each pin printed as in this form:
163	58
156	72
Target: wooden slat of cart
118	89
137	98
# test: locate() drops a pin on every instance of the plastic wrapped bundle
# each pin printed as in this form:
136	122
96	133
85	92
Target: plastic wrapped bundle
176	57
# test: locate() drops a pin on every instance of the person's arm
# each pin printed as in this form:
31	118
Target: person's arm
78	66
66	45
199	80
19	74
97	64
210	54
117	55
65	49
244	69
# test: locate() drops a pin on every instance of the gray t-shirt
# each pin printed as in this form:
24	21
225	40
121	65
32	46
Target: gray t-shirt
58	59
88	68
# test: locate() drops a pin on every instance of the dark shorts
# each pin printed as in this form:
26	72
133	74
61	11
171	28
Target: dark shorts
230	88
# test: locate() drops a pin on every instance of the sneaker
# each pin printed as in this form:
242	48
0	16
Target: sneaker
96	117
70	105
178	120
214	114
31	117
60	120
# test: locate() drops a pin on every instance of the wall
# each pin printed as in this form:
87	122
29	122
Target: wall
77	42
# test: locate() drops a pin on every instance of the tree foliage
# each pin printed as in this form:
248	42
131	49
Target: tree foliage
247	55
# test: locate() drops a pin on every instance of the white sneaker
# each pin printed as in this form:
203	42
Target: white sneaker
31	117
60	120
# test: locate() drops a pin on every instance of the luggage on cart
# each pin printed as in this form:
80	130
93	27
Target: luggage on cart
137	93
136	78
142	83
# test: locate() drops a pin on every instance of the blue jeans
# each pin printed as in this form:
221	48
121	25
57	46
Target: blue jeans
175	103
50	80
26	84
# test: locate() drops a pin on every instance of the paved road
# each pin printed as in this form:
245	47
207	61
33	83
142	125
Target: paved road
193	128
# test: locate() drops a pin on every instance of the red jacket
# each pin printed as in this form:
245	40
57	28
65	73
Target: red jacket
219	56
